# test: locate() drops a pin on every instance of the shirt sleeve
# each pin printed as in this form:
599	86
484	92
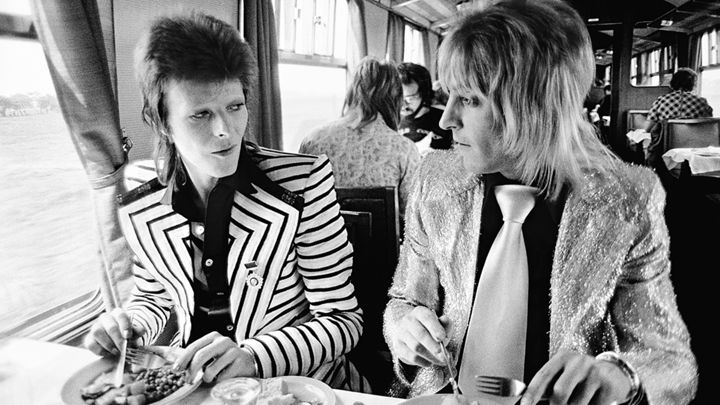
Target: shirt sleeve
325	265
654	114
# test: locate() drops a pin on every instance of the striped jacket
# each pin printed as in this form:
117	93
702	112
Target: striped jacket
304	318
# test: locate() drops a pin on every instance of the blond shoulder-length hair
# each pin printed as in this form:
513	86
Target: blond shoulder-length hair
533	61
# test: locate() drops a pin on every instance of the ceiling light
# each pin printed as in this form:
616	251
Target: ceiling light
593	19
666	23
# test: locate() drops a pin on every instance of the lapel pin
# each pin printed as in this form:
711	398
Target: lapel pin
253	278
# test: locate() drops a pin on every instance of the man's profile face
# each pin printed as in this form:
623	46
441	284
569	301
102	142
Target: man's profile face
470	117
411	98
207	122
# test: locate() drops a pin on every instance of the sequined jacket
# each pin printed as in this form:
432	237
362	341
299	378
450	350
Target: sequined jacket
610	284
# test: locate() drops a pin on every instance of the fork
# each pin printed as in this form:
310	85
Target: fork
502	386
147	357
153	356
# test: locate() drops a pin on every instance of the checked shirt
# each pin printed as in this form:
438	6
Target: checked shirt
679	104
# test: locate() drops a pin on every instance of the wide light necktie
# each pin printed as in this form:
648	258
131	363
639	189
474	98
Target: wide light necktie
495	340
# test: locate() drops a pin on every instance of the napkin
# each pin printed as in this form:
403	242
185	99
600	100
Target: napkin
638	135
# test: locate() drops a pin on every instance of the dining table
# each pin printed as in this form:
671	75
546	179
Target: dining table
33	372
701	161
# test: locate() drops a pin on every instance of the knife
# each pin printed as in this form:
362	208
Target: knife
451	369
120	369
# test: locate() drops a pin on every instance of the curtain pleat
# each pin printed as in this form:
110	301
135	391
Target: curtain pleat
427	58
694	52
394	47
356	11
72	39
265	106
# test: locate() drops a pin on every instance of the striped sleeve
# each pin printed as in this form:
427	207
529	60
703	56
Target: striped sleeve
325	265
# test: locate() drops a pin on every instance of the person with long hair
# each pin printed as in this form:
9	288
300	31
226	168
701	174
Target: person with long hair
363	145
244	244
419	117
531	252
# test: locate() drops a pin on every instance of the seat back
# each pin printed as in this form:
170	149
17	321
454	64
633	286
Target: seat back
371	218
636	119
691	133
382	203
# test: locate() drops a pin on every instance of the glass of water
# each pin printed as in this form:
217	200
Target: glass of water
237	391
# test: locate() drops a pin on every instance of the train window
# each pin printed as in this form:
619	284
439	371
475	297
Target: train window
413	49
49	253
312	44
312	31
653	67
709	72
311	96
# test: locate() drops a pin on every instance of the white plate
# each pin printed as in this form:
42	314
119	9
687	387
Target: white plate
309	389
437	399
71	390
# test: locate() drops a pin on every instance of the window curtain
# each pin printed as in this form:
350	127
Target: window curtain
395	38
427	57
265	107
356	11
71	36
694	52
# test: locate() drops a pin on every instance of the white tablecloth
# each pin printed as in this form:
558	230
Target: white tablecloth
33	373
702	161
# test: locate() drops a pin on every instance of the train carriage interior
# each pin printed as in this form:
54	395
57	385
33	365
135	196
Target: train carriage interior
70	119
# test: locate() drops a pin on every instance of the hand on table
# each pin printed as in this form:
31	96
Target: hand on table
580	379
419	332
219	356
107	334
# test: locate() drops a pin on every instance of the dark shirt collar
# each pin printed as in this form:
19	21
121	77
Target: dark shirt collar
555	207
181	198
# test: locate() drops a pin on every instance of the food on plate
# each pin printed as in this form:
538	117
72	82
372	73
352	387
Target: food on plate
274	392
144	387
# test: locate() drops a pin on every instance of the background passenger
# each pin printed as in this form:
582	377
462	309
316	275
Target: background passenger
680	103
227	224
363	145
420	119
583	307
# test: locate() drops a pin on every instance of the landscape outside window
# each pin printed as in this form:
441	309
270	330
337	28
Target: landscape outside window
48	239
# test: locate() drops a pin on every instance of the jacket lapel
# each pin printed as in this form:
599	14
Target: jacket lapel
263	225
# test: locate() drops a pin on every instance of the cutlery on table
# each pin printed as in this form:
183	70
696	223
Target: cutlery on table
451	370
502	386
147	357
120	368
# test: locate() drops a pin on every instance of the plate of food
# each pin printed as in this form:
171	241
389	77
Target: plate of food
450	399
289	390
92	384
